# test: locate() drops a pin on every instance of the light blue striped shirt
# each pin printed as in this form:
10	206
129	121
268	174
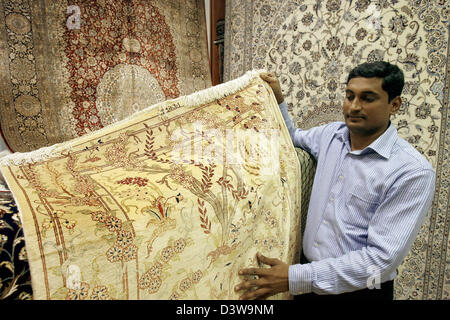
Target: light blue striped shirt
365	211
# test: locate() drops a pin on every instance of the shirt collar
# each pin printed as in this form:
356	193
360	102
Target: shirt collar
382	145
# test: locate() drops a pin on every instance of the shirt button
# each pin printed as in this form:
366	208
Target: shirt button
325	222
315	244
299	292
341	177
331	199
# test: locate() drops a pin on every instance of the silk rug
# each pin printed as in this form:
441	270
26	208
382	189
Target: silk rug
166	204
312	45
15	282
71	67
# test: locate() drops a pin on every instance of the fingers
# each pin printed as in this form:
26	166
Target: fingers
273	82
254	272
260	271
253	289
268	76
269	281
262	293
247	285
266	260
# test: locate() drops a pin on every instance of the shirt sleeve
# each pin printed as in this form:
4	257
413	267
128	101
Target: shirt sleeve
309	140
392	230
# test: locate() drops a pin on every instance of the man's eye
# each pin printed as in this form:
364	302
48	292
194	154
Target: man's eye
348	97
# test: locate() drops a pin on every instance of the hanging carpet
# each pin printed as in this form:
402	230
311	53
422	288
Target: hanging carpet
71	67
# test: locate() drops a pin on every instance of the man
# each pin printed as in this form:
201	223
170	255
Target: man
370	195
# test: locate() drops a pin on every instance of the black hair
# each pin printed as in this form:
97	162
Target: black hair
393	79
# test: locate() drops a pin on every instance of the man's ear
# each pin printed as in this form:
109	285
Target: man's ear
396	103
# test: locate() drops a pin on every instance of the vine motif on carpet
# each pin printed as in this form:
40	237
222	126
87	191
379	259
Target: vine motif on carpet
15	282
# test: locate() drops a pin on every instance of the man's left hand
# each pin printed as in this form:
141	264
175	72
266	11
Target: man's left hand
270	280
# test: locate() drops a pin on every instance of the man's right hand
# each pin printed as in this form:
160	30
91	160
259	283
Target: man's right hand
273	82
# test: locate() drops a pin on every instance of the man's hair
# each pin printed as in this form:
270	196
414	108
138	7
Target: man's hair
393	79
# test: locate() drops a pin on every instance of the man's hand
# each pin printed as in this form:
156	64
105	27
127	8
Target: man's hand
272	80
270	280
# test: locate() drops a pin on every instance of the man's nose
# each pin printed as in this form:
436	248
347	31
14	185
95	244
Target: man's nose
356	104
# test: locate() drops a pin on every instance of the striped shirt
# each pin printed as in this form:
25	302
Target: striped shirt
365	211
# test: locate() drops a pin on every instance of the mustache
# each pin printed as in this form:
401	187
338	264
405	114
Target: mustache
354	114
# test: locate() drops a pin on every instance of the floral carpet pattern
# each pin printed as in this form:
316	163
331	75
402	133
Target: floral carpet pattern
15	282
130	212
312	45
71	67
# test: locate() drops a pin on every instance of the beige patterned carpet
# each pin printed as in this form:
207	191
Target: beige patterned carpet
312	45
130	212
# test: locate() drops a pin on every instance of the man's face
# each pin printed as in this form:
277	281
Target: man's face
366	108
